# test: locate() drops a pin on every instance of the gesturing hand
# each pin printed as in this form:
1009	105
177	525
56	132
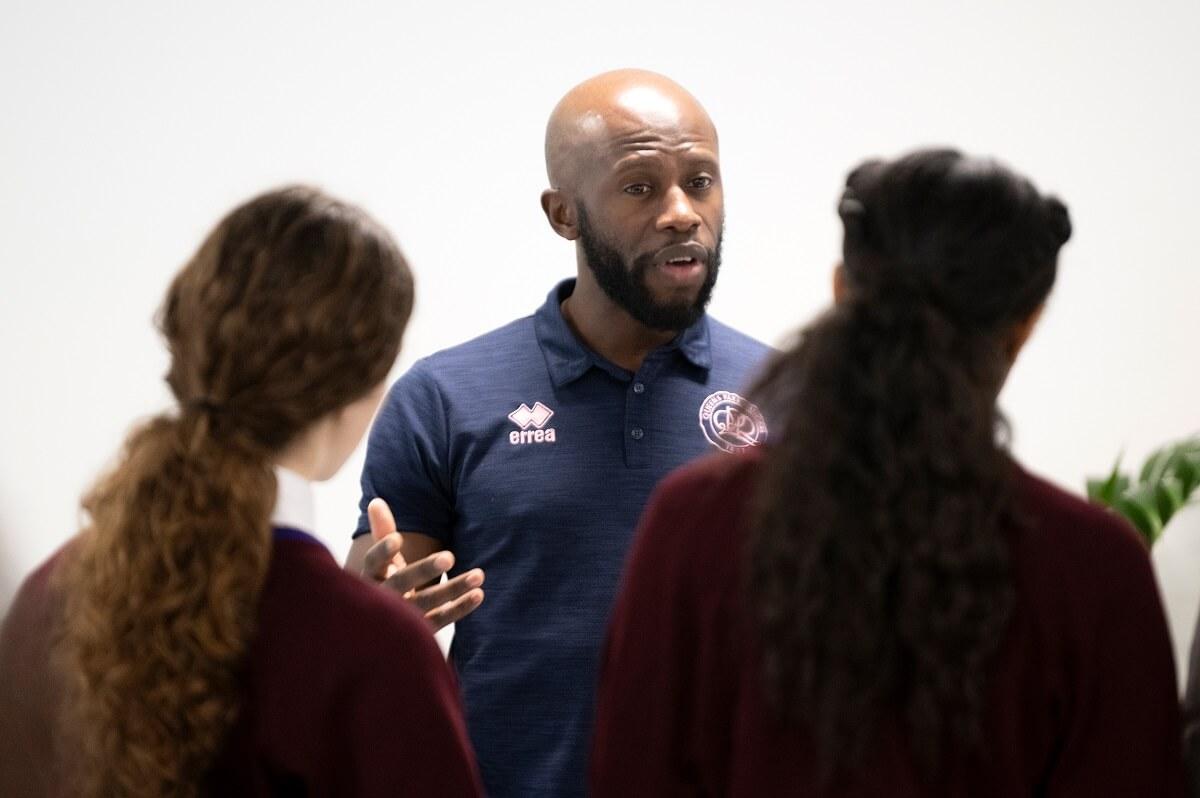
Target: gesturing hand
442	602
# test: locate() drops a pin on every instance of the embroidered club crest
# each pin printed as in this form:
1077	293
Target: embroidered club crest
731	423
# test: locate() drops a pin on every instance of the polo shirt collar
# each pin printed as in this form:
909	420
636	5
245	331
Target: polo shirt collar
567	358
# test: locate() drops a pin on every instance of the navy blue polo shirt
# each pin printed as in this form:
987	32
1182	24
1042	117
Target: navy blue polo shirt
531	457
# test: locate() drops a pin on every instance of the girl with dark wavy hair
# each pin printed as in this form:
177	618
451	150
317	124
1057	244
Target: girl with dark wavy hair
195	638
881	602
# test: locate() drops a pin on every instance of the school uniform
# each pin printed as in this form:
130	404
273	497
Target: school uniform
345	689
1081	696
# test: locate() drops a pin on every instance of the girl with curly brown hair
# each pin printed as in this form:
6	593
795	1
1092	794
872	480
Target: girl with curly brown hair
883	603
195	638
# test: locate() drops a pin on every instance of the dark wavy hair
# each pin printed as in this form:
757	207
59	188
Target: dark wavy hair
292	308
879	570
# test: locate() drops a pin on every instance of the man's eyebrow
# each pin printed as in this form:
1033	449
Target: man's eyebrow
706	160
634	160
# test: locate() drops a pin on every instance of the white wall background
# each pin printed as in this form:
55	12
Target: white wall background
128	128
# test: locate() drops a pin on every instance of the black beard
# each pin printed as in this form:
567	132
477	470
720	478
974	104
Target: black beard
626	284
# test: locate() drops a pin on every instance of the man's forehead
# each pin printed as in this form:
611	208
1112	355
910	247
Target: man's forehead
649	105
624	112
626	129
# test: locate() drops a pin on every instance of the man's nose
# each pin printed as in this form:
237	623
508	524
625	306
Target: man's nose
678	213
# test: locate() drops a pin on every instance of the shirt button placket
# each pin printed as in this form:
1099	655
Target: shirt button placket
635	423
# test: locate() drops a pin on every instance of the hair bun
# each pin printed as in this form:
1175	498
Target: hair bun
853	214
1059	218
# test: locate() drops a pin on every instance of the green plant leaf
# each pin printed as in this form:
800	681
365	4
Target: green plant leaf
1118	488
1105	491
1156	464
1168	497
1143	516
1179	463
1188	471
1165	482
1096	491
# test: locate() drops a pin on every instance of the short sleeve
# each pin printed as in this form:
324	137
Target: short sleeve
407	458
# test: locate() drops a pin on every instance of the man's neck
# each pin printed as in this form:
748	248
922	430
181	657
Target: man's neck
608	329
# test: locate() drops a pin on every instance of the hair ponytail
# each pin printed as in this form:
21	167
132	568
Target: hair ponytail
291	309
879	572
160	605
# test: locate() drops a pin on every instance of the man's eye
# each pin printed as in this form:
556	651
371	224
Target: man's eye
704	181
637	189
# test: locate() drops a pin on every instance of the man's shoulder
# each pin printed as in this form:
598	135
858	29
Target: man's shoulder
735	355
456	383
516	336
725	339
489	357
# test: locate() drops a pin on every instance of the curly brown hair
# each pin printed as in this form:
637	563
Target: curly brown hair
878	566
292	308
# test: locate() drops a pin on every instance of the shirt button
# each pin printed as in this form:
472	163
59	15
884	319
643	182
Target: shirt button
639	387
636	433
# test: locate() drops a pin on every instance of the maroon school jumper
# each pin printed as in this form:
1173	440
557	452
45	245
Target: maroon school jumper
1081	696
346	692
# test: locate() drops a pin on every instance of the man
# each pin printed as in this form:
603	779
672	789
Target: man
529	452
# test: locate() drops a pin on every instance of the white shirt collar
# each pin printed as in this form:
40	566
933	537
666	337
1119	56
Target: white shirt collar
293	502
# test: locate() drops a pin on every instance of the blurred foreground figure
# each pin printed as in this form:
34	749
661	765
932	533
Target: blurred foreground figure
194	638
882	602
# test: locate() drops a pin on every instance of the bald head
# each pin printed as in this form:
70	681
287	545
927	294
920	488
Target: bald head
614	108
635	182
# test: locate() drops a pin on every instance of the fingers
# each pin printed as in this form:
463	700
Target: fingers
383	557
380	518
442	603
455	610
421	572
446	592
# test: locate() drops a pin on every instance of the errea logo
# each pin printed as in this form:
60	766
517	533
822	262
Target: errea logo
526	417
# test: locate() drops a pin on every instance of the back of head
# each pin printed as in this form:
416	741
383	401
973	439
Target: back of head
969	236
879	570
292	308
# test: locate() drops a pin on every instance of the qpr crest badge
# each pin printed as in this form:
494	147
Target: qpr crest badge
731	423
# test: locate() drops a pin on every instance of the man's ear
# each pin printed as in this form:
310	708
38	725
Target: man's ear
560	212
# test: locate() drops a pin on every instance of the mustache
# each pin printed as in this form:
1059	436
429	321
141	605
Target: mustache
645	260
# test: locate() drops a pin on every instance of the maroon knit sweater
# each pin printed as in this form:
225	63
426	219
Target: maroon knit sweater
346	693
1081	696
